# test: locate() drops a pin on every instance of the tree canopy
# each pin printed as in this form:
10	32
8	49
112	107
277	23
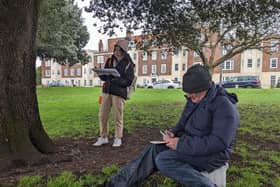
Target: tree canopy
204	26
61	34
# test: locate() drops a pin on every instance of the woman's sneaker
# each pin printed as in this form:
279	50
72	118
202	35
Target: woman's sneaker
100	141
117	142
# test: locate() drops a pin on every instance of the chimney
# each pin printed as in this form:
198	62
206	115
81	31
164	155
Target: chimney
100	46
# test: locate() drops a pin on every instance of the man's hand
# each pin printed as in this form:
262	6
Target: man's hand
171	142
169	133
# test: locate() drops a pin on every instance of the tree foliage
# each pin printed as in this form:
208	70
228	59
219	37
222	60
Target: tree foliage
204	26
61	34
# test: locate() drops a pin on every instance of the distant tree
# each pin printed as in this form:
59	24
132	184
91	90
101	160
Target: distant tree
204	26
22	137
39	75
61	33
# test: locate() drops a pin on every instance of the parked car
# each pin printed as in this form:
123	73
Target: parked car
243	82
163	84
56	84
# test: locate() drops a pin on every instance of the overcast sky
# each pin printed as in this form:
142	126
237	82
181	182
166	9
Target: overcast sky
94	35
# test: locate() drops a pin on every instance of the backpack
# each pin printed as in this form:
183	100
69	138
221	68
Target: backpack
131	89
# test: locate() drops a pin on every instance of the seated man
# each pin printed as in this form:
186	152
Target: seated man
201	140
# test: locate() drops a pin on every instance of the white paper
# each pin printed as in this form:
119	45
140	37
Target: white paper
106	71
157	142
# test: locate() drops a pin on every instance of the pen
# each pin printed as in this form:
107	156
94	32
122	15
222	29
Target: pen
162	133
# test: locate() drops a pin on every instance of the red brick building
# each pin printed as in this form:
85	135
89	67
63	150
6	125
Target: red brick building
160	63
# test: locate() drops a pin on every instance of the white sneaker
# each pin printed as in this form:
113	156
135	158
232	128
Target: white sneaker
100	141
117	142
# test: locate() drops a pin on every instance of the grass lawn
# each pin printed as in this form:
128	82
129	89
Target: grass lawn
256	159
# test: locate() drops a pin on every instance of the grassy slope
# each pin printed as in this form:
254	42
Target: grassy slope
74	112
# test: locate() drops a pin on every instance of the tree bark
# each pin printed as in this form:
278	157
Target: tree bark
22	137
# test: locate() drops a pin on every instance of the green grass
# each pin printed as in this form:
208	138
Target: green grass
30	181
258	96
68	179
74	112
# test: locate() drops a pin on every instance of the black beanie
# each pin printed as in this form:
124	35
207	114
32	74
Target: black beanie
197	79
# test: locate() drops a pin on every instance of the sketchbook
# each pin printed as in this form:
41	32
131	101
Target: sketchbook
157	142
106	71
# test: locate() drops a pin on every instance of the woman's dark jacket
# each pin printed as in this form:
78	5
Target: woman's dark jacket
118	85
207	129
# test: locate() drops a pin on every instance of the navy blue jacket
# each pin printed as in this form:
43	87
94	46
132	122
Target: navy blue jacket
208	128
118	85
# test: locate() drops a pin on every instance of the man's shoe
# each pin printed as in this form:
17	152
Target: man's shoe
100	141
117	142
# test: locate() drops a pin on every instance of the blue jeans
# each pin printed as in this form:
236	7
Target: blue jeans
184	169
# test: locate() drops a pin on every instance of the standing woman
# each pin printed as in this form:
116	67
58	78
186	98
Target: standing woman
114	93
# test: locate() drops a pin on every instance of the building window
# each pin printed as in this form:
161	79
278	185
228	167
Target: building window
195	54
100	59
249	63
184	52
90	71
132	44
228	65
258	63
85	71
155	43
154	55
274	45
145	69
134	56
65	72
273	63
58	72
89	59
79	72
145	56
184	67
163	68
48	73
176	52
48	63
90	82
163	55
176	67
272	80
72	72
85	82
224	51
154	69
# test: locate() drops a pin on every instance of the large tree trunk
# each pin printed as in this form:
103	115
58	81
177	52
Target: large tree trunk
22	137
